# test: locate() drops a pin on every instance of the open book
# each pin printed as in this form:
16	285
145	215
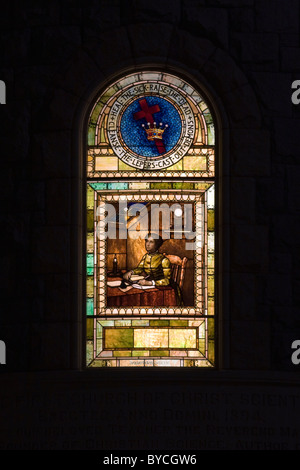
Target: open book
133	278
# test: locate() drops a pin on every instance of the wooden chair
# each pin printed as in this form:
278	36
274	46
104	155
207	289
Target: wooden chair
178	268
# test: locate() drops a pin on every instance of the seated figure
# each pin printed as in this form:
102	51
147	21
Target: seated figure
154	266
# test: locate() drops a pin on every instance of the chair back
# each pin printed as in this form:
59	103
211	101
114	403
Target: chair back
178	268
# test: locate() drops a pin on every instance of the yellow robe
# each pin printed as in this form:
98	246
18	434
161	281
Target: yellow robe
157	266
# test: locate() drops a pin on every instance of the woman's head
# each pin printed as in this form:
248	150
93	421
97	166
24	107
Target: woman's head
153	242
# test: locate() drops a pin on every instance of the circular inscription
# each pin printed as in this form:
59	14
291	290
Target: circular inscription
150	126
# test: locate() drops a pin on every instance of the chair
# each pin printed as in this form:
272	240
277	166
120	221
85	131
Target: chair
178	268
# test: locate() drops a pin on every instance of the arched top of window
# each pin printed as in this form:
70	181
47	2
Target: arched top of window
150	123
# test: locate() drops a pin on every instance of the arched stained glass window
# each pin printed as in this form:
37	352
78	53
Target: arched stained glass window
150	262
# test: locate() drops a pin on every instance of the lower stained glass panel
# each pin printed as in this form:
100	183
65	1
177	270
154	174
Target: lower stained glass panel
150	342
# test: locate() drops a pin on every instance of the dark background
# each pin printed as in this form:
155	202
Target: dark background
54	58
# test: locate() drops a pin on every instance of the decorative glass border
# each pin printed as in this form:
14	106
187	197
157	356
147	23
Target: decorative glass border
166	342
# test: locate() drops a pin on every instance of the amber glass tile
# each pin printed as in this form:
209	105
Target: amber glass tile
90	220
195	163
106	163
90	286
89	328
210	220
151	338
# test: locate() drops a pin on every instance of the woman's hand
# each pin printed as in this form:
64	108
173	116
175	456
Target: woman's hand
127	276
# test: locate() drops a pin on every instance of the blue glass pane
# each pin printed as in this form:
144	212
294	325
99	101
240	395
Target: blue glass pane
139	112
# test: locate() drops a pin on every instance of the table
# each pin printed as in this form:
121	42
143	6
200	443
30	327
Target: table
155	297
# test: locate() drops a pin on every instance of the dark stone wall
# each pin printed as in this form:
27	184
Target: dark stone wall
55	56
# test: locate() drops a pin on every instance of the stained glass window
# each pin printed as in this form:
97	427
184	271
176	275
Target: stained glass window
150	260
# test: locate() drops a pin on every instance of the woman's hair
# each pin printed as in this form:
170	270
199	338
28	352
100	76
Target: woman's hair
157	238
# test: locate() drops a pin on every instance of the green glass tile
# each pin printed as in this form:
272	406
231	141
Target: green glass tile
89	328
91	136
159	353
102	138
118	338
176	167
201	331
123	323
183	185
179	323
99	345
89	197
160	185
124	167
182	338
211	351
89	352
159	322
107	323
210	328
140	353
90	307
98	186
210	135
99	331
140	322
90	220
108	93
122	353
117	186
90	264
96	112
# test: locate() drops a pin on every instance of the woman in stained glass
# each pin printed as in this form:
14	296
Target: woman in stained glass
154	266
